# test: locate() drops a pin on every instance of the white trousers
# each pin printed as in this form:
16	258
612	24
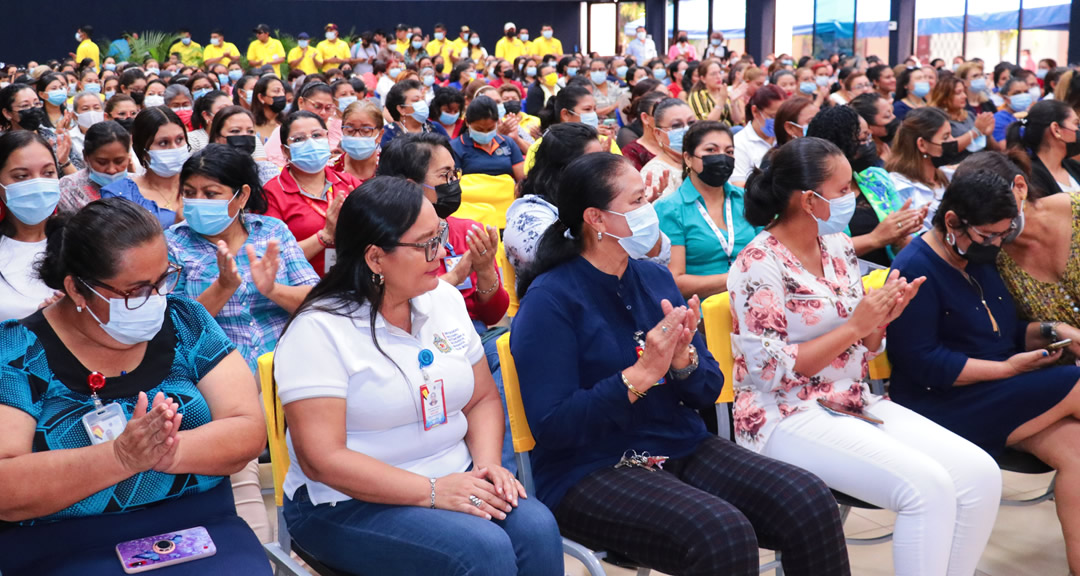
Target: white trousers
944	489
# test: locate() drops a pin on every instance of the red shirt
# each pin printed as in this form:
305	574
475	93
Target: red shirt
499	81
494	309
303	214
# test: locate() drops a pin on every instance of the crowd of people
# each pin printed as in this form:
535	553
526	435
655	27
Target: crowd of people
166	223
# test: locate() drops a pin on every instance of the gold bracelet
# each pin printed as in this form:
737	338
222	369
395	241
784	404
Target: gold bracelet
630	386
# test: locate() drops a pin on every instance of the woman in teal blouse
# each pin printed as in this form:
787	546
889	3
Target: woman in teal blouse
704	218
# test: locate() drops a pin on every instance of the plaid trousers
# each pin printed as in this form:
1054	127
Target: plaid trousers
707	513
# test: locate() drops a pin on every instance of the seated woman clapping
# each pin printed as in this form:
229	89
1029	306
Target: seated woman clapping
803	334
964	358
610	367
119	339
395	424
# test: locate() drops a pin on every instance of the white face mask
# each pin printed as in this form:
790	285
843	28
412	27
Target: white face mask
130	327
644	230
90	117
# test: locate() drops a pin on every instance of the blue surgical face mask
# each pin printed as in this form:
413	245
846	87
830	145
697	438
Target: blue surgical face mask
978	85
420	111
71	90
92	88
770	128
167	163
303	43
223	79
598	77
358	147
109	94
571	72
440	35
154	71
921	89
644	230
132	327
1020	102
659	73
393	72
429	80
448	119
311	155
32	201
235	75
110	67
807	87
589	119
715	41
501	109
547	34
675	138
344	101
524	37
481	138
247	96
530	70
102	179
822	81
185	41
208	217
621	71
840	212
57	97
1041	73
417	45
200	93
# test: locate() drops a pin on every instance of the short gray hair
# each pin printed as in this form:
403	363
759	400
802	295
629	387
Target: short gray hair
175	90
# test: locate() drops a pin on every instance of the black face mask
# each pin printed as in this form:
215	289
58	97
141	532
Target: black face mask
890	131
950	152
866	156
682	38
977	253
716	169
32	118
508	73
278	104
138	97
512	106
448	198
243	143
1072	148
511	33
126	123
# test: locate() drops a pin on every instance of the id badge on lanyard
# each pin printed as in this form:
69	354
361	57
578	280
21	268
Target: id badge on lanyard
432	394
451	262
105	422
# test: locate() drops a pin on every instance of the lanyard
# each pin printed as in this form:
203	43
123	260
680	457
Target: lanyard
728	243
95	381
311	201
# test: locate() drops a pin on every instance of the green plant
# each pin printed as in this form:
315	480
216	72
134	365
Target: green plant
152	43
288	42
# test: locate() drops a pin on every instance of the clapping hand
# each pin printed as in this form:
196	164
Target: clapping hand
149	439
228	273
264	270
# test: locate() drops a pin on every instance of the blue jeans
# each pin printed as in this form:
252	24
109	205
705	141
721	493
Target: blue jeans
363	538
491	350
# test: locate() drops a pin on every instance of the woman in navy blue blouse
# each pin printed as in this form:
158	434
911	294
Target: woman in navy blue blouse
592	395
73	489
962	356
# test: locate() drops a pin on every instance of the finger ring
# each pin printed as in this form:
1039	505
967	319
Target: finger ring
663	329
482	252
899	225
476	501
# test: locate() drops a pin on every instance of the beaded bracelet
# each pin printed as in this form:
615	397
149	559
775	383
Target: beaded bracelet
432	480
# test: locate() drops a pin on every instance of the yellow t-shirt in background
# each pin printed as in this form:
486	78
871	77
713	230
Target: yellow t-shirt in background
264	53
190	55
336	48
227	49
307	65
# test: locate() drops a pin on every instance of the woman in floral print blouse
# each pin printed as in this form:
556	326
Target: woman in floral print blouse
803	331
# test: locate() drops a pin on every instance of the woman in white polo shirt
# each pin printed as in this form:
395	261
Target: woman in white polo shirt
395	424
759	135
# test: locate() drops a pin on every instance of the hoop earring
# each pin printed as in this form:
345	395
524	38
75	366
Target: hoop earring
377	279
950	238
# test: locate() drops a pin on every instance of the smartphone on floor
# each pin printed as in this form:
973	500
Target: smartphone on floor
163	550
838	409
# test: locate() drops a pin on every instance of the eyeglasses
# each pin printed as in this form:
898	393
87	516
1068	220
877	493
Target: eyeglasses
317	108
859	87
363	131
449	176
678	126
989	237
431	247
35	104
317	135
134	299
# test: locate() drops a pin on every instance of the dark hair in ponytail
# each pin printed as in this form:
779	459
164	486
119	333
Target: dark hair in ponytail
379	212
799	165
1029	133
91	242
588	182
562	144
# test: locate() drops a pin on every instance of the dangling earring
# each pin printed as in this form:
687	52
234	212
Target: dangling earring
599	236
377	279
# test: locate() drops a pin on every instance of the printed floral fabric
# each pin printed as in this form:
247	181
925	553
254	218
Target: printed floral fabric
776	304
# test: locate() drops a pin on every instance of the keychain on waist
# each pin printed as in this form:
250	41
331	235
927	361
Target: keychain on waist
106	421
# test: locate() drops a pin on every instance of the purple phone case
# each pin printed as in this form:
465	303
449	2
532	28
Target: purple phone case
139	555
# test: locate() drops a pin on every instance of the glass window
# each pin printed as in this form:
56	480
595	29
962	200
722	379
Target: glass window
602	28
872	32
1045	33
834	27
693	20
992	30
794	27
939	29
730	19
631	15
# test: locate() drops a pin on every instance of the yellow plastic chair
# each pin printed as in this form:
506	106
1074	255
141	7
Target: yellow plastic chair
479	212
880	369
498	191
509	279
523	440
279	552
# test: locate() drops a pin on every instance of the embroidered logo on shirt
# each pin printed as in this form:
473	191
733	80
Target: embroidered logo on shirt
457	339
442	344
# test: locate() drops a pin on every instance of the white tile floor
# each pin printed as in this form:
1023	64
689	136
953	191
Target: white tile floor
1026	541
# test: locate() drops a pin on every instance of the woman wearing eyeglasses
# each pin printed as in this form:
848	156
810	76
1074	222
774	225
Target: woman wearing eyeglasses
394	420
179	409
307	195
361	129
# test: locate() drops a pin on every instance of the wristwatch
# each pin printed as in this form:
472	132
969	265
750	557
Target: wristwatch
1048	330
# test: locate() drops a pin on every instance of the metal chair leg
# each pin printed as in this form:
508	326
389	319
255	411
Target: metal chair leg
585	556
